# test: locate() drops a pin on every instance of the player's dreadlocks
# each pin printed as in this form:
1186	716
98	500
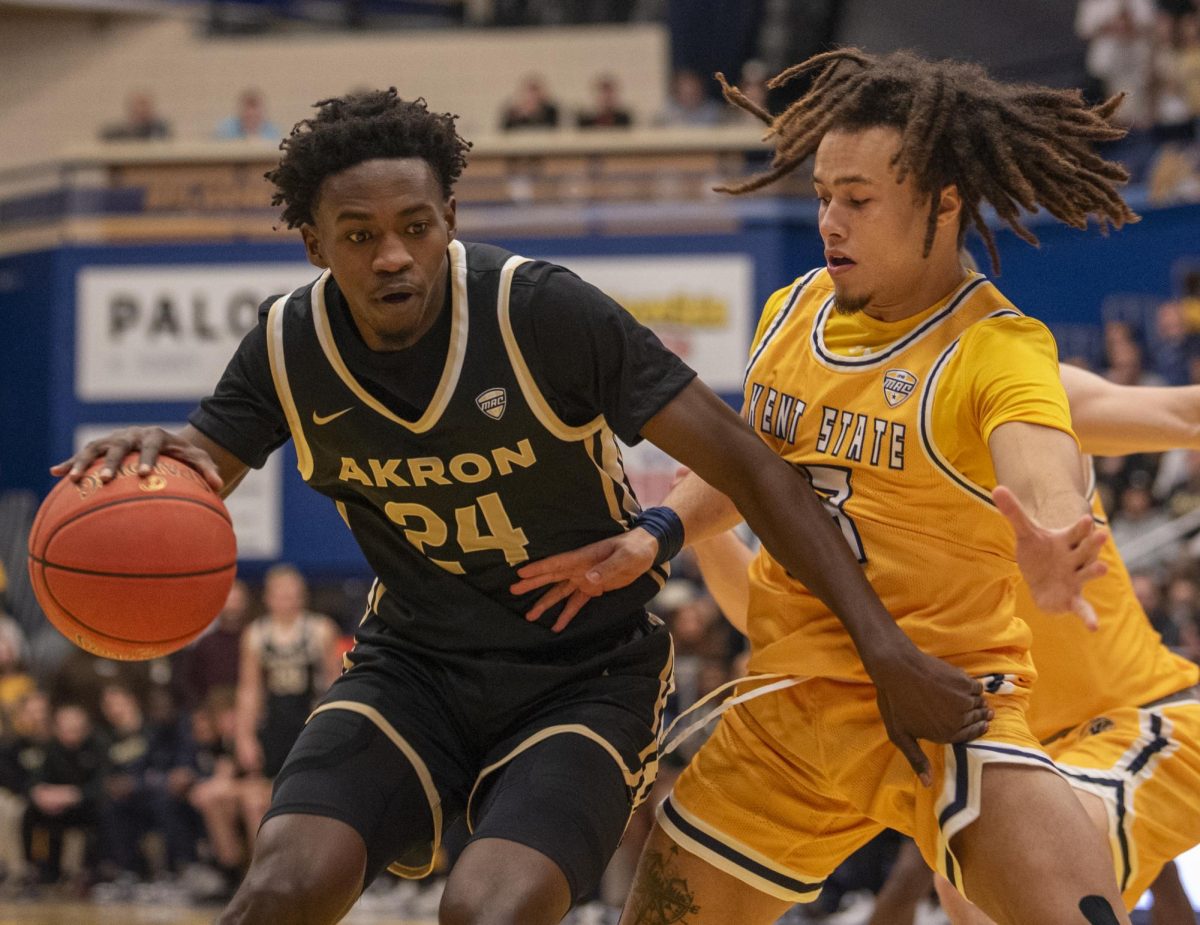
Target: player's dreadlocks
1013	146
359	127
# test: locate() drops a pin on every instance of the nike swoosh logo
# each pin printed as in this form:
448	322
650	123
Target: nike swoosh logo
319	420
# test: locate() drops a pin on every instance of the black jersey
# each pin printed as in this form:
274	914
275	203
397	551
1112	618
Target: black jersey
503	465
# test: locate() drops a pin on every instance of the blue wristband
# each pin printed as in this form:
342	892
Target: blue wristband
664	525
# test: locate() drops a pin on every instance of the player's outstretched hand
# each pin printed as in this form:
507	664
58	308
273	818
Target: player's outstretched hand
922	697
1056	564
581	574
152	441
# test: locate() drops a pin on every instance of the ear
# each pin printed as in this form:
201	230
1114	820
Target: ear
312	246
450	214
949	206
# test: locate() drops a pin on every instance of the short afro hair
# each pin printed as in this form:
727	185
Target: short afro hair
363	126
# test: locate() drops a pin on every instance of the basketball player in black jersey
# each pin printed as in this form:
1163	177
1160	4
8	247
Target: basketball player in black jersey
460	405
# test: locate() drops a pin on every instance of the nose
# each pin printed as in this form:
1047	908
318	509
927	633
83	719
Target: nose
830	223
391	256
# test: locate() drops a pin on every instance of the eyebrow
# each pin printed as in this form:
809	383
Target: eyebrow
843	181
362	215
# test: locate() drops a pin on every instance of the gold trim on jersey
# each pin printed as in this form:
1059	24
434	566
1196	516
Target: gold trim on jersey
827	358
418	765
640	781
304	458
925	422
533	395
797	287
454	356
720	861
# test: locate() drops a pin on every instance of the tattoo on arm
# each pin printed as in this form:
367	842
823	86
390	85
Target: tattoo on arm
661	896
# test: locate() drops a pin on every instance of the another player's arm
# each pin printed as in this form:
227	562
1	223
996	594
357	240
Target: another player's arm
1114	420
220	468
249	703
724	562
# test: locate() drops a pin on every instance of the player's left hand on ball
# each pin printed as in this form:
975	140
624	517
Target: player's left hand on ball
1056	564
582	574
922	697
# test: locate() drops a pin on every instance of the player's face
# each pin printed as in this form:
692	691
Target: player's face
382	227
874	227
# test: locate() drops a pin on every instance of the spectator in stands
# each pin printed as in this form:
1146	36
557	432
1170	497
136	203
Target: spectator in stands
1189	62
142	793
689	102
212	660
1137	516
1124	355
608	111
250	120
532	106
1174	344
289	657
1150	595
64	794
1120	37
142	121
217	794
23	743
1183	607
1171	112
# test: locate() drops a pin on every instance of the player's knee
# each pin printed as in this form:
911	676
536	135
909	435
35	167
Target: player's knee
472	904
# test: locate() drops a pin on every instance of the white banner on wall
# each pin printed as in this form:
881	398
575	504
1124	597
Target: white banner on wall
166	333
255	507
699	305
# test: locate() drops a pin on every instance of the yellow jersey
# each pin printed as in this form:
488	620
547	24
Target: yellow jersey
890	422
1082	674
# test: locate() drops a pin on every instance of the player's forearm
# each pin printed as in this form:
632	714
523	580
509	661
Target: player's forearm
704	511
1138	419
1042	467
724	562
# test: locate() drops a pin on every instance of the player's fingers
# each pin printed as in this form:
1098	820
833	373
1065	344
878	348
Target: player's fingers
549	599
970	733
1008	505
574	604
563	564
1085	612
916	758
201	462
80	462
151	444
112	459
1093	571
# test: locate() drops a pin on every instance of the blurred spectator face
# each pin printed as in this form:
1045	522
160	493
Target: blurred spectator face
688	89
32	716
713	673
1125	361
284	593
120	708
1135	501
251	111
608	94
1182	594
139	109
204	732
1169	322
71	725
754	82
692	621
237	603
531	96
1147	591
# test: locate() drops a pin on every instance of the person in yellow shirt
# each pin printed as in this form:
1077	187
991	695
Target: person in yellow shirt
925	409
1117	710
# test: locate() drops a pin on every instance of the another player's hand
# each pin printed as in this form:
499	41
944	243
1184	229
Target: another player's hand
922	697
249	754
1056	564
582	574
152	441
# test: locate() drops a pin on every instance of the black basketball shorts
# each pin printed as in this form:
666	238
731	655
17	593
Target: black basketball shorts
552	756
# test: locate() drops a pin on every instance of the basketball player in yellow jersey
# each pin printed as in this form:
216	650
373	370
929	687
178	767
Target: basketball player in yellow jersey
908	390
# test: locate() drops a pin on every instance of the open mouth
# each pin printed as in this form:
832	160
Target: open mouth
838	265
398	298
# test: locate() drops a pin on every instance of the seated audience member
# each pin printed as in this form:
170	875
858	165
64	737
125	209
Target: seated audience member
532	107
23	743
141	123
218	792
212	660
689	103
140	788
65	794
608	110
250	120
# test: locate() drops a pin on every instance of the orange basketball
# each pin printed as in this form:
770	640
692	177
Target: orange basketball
135	568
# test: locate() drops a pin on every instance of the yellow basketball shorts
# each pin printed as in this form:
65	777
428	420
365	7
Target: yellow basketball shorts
1144	763
792	783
